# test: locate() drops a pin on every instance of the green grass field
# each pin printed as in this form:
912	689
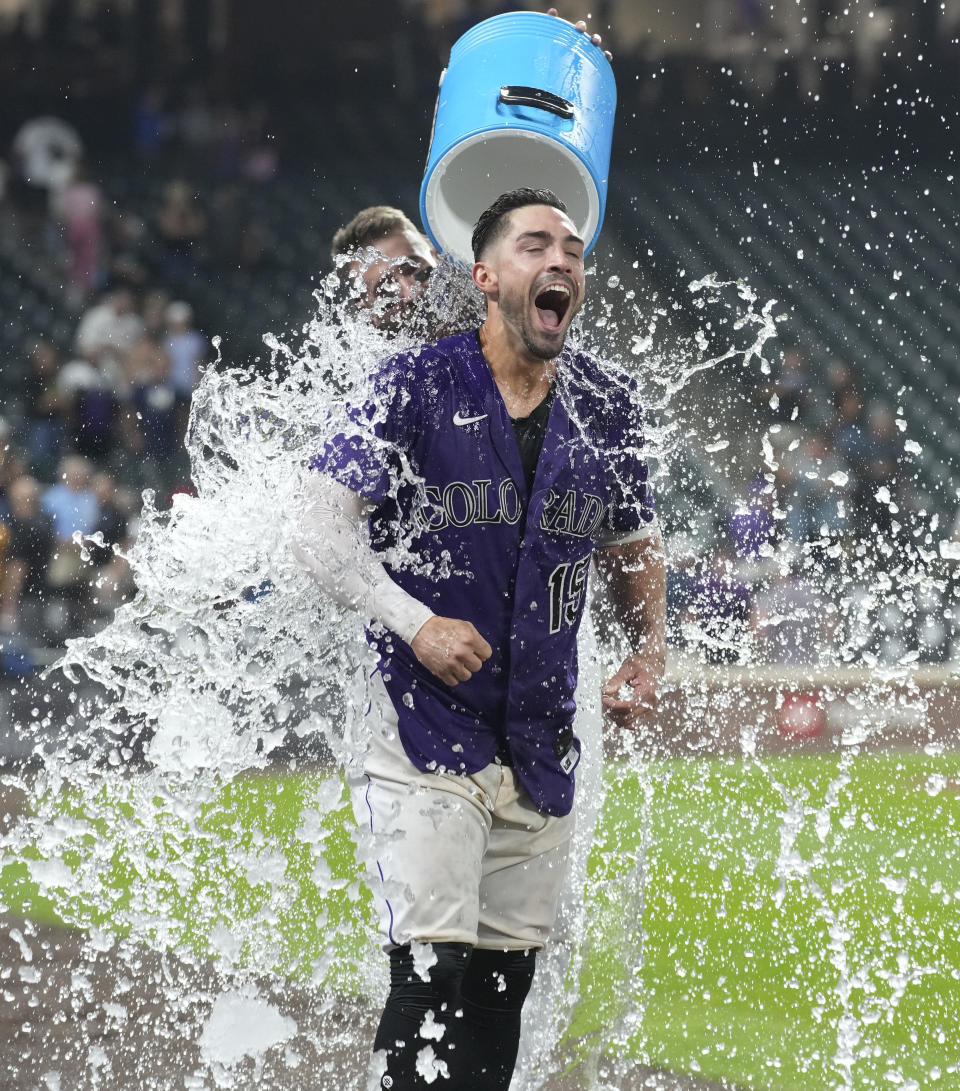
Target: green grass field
816	950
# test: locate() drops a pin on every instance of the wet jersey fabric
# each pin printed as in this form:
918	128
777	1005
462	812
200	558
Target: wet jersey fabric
457	527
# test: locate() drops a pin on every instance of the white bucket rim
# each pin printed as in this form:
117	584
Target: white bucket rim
452	236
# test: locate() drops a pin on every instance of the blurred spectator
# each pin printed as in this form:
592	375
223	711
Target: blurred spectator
73	508
78	205
260	162
793	499
753	526
872	34
839	383
181	227
720	609
113	583
156	435
44	154
72	504
28	546
92	408
814	487
128	243
186	347
44	405
116	506
788	618
141	361
12	462
153	312
109	329
196	124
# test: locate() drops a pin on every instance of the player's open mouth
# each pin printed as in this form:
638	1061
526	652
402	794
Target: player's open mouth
552	303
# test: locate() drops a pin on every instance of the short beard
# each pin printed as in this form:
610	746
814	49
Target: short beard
540	351
519	315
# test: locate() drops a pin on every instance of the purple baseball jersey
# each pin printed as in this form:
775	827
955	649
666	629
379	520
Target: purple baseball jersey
434	449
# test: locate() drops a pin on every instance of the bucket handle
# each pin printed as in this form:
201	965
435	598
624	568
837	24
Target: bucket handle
533	96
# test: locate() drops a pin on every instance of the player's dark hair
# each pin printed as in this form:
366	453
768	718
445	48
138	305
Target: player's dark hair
493	222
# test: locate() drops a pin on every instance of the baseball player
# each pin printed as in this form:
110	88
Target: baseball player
459	510
386	261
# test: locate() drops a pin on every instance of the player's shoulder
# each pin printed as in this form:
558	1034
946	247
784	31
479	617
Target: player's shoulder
606	387
431	357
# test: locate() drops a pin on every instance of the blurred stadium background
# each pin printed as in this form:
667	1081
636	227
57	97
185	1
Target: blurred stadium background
174	170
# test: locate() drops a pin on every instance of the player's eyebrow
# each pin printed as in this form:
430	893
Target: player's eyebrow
544	236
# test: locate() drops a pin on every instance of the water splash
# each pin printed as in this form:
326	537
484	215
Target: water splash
184	812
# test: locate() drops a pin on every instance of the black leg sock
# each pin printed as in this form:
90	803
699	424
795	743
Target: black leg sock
410	999
484	1042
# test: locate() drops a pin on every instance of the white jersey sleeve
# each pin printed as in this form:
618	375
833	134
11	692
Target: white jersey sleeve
332	542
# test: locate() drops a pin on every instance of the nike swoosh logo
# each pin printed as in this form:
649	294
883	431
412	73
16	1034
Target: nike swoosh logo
457	419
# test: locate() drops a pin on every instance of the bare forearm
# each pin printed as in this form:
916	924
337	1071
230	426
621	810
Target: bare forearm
635	577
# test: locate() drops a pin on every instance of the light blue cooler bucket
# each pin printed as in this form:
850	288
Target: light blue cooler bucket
526	100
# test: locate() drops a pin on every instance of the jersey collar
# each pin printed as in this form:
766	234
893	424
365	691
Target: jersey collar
500	426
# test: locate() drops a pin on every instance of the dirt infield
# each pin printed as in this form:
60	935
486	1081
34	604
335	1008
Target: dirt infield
87	1016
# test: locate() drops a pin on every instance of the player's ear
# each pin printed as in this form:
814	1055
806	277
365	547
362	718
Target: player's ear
485	279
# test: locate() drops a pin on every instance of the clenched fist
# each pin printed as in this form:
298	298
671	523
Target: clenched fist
632	696
452	650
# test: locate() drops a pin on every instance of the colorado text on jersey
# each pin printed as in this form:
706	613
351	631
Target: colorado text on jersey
465	503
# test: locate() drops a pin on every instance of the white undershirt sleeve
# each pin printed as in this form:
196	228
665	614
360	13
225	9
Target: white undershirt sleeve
332	542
